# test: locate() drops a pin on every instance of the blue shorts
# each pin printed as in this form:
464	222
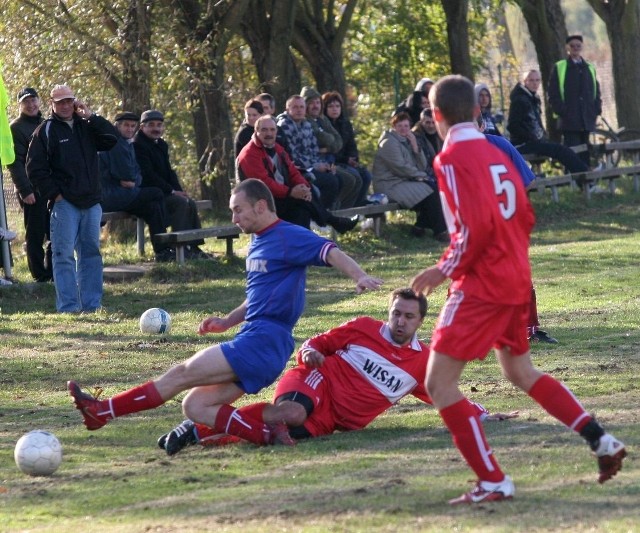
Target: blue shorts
259	353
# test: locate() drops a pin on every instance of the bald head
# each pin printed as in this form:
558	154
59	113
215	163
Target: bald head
532	80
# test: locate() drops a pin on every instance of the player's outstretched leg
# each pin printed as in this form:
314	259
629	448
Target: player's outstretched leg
97	413
485	491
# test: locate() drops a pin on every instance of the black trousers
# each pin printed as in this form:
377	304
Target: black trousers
149	206
574	138
38	246
182	214
429	214
559	152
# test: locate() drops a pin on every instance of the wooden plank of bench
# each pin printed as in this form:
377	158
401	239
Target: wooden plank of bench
375	211
123	215
178	239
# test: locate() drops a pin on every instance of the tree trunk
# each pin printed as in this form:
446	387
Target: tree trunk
320	41
622	20
548	31
458	36
268	29
204	33
136	75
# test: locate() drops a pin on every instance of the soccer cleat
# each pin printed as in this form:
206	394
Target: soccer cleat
178	438
7	234
542	336
89	406
486	491
610	453
279	434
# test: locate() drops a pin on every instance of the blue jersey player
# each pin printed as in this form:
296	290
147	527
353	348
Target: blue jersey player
222	373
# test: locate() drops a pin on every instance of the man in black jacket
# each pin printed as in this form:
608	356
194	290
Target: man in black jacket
574	95
62	163
34	206
152	153
526	129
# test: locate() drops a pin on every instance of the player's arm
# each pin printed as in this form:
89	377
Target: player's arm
345	264
216	324
315	350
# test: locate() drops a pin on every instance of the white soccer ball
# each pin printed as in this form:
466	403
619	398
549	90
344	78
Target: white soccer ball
155	321
38	453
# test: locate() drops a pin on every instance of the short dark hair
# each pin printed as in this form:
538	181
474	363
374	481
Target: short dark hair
268	97
409	294
330	97
255	104
399	117
455	97
255	190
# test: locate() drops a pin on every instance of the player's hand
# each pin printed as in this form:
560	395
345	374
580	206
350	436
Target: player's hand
503	416
213	324
427	280
368	282
312	358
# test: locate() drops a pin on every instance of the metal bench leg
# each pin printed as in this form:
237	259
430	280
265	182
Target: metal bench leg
180	254
229	246
140	235
377	225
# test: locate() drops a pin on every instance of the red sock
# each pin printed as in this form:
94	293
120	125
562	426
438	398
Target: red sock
559	402
468	435
254	411
230	420
207	436
139	398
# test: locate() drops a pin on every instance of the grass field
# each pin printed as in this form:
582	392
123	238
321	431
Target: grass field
394	476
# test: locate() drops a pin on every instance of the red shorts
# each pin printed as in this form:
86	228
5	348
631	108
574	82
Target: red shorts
311	383
468	328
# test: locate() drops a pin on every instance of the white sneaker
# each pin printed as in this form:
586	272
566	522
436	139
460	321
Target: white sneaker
596	189
4	281
486	491
610	453
7	234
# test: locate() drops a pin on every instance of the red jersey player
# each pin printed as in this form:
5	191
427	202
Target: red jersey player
489	219
345	378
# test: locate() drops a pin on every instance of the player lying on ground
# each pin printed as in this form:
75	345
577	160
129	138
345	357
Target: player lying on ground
490	220
345	378
220	374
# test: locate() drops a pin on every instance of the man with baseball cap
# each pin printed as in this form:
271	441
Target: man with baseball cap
152	154
34	207
62	164
122	180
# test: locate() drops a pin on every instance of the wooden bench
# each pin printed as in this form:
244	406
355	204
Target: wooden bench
589	178
123	215
179	239
373	211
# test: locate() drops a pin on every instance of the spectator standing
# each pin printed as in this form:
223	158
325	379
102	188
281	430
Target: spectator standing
491	121
413	105
295	200
121	185
152	154
574	96
62	163
304	151
347	158
34	206
487	261
423	137
252	110
400	172
525	125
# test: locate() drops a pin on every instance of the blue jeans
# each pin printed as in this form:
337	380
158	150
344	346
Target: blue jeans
78	281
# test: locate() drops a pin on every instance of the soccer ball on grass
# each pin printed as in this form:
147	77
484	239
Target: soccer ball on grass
155	321
38	453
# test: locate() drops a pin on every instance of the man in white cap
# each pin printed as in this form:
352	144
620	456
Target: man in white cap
62	164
